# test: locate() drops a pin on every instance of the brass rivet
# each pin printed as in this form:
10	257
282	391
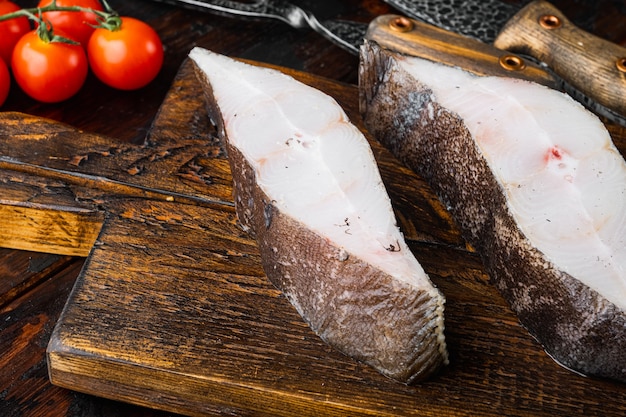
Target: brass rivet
621	64
550	21
512	63
401	24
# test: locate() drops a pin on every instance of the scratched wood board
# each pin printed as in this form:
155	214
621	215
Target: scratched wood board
173	311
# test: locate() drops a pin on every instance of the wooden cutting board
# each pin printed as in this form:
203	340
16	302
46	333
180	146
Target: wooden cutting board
172	309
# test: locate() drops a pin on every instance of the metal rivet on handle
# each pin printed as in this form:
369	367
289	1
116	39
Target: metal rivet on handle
550	21
401	24
512	62
621	64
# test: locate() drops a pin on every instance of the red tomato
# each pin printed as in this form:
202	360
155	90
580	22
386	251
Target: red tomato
5	82
75	25
10	30
48	71
127	58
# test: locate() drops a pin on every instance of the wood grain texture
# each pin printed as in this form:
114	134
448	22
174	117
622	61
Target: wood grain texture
22	273
496	368
172	310
559	43
412	37
38	216
26	324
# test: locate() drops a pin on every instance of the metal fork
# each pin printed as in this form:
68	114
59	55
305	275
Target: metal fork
346	34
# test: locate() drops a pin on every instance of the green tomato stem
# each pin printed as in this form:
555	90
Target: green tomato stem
108	19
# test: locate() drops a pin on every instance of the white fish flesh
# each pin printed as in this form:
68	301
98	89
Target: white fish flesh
306	185
534	181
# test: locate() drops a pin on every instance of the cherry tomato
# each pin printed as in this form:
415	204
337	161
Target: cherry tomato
48	71
5	82
75	25
10	30
127	58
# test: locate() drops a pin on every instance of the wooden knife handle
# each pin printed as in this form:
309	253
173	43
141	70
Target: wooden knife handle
415	38
593	66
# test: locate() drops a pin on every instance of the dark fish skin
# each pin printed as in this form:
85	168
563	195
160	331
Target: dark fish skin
353	306
577	327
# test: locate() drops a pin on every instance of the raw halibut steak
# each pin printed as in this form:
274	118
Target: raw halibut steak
306	185
535	183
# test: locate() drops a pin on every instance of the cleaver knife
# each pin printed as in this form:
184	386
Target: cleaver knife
591	69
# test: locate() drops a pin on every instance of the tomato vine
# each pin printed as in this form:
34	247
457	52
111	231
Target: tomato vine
130	67
109	17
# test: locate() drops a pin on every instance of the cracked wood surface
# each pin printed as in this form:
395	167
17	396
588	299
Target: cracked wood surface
171	312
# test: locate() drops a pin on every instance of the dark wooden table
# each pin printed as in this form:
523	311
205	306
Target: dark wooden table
35	286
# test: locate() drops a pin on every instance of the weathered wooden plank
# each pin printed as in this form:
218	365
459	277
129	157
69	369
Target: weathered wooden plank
21	271
26	325
43	217
172	309
24	352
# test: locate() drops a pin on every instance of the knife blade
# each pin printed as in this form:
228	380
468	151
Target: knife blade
592	69
420	39
345	34
478	19
349	35
416	38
